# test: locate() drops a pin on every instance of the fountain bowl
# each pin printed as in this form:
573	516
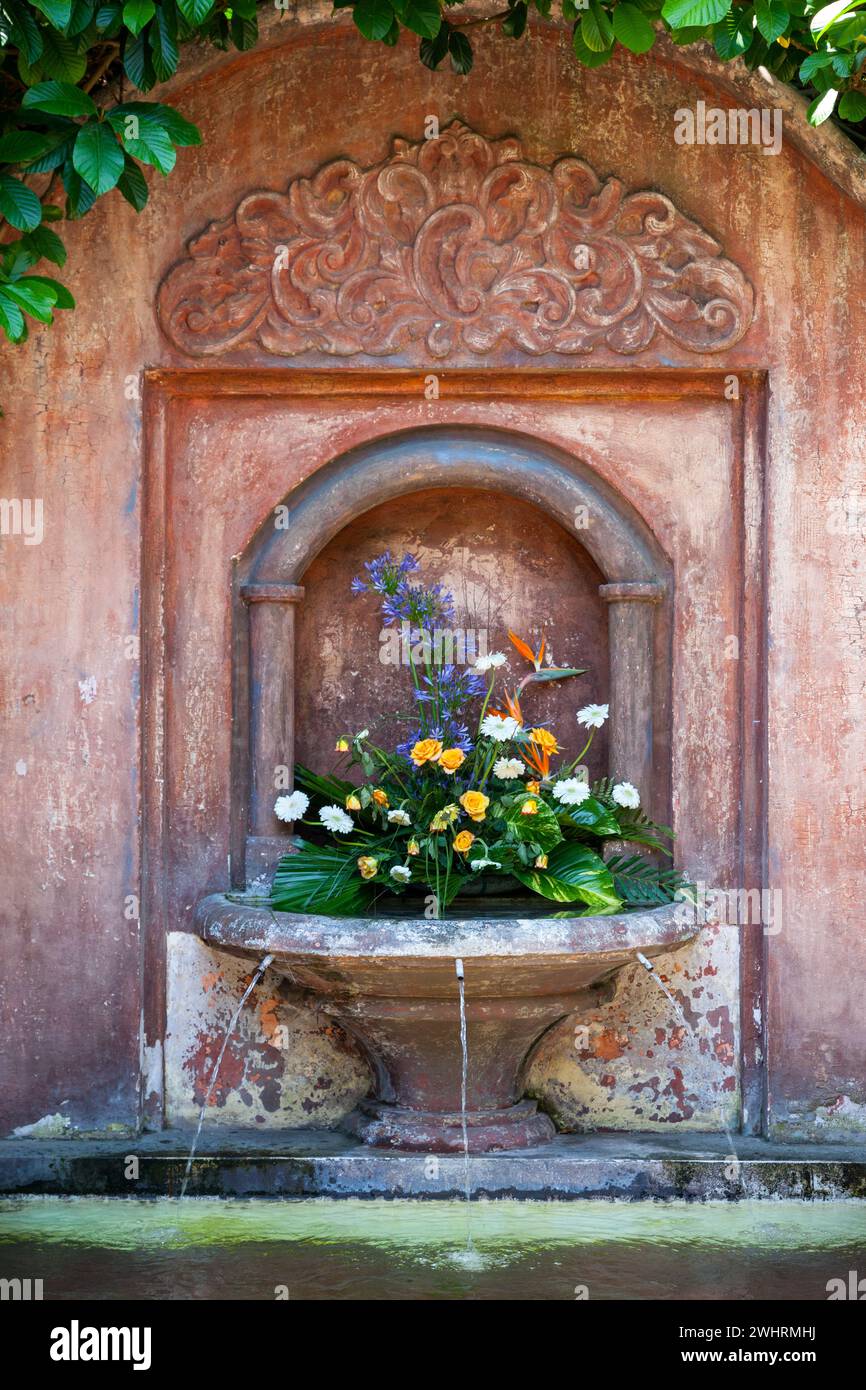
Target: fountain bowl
392	983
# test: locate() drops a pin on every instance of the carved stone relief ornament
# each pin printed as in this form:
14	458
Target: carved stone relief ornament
453	244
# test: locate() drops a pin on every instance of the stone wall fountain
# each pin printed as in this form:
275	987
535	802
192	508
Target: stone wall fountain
392	982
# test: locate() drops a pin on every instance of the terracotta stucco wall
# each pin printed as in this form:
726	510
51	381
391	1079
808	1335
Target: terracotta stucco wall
71	944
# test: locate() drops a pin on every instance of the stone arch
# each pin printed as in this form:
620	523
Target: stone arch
638	583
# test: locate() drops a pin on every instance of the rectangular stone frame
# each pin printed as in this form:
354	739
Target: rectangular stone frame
582	386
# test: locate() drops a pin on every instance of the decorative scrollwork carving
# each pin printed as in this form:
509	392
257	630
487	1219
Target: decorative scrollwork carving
455	243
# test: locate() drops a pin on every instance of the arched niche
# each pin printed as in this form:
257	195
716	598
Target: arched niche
636	587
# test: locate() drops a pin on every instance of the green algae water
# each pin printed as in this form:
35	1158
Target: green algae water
201	1248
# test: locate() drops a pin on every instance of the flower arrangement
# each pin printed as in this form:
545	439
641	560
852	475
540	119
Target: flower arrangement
472	791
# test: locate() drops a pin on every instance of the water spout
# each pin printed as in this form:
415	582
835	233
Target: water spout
260	970
464	1076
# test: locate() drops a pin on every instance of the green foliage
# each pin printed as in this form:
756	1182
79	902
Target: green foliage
68	65
65	65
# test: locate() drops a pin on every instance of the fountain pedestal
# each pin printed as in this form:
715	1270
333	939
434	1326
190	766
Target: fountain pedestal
392	984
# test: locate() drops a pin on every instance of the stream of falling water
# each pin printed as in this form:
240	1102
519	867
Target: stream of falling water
675	1005
260	970
468	1258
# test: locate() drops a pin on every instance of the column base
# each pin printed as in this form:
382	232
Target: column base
521	1126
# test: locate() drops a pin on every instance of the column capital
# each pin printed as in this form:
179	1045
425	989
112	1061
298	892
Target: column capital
632	591
272	593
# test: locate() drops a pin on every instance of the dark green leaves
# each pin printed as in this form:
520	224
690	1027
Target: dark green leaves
97	156
632	28
373	17
320	880
59	99
19	204
137	13
681	14
852	107
772	18
573	872
541	827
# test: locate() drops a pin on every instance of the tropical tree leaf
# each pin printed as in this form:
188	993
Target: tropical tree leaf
321	879
573	872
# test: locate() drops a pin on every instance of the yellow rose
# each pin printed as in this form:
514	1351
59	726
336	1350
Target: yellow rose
352	803
542	738
380	797
428	750
464	841
475	804
342	745
529	808
533	786
368	866
447	816
451	759
541	861
413	847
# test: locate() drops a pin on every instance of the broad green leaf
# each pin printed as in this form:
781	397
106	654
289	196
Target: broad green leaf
772	18
573	872
592	815
132	184
196	11
633	29
97	157
373	17
162	40
23	146
828	15
699	13
36	300
596	28
514	23
157	117
542	827
57	12
83	12
137	13
460	52
26	32
822	107
61	58
59	99
733	35
11	318
62	297
137	64
432	51
852	107
585	55
80	197
153	146
46	245
19	204
423	17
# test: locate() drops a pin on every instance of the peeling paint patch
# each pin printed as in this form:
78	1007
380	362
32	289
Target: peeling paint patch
87	690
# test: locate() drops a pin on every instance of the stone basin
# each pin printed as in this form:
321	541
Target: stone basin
392	983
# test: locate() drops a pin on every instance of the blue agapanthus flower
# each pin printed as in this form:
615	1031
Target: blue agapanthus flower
385	575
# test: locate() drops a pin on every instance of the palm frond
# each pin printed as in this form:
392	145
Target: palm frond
641	883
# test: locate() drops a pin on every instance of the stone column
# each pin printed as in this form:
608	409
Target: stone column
272	717
631	618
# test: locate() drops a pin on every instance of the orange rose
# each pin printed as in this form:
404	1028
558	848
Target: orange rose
533	786
464	841
542	738
475	804
529	808
380	797
451	759
428	750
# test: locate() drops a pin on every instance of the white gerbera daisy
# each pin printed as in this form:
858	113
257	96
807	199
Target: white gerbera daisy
291	807
334	818
399	817
401	873
508	768
593	716
624	794
491	662
571	791
499	727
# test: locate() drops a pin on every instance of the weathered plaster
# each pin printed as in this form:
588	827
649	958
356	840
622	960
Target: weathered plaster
283	1068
